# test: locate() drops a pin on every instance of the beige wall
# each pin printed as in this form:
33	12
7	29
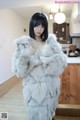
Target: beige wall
11	27
74	24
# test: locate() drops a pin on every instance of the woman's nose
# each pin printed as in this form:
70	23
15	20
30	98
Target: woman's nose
39	28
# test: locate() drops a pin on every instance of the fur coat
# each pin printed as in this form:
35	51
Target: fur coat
40	68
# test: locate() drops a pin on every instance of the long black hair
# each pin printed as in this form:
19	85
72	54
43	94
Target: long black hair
38	19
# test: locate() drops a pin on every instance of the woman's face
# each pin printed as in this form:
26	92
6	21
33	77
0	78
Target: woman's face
38	30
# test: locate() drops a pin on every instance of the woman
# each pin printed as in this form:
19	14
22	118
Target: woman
39	60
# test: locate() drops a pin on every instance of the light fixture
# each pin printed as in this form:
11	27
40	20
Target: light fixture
50	14
59	17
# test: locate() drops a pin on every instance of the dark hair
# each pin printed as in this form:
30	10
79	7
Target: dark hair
38	19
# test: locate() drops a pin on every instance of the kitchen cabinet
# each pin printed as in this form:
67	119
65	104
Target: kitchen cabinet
70	85
62	32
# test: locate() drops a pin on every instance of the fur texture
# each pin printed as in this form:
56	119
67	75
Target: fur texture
40	70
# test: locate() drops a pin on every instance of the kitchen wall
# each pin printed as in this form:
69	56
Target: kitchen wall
74	25
11	27
74	22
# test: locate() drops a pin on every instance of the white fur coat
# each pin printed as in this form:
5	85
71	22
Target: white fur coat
40	69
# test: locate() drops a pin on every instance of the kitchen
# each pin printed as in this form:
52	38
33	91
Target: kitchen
70	78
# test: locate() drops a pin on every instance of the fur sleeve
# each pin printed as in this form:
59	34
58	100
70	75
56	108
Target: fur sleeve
59	63
53	56
21	58
55	64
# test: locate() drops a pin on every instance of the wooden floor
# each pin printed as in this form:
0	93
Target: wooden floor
13	103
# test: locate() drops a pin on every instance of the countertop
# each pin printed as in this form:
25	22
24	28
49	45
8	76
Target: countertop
73	60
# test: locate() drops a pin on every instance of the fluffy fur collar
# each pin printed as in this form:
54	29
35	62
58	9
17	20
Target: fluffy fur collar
26	40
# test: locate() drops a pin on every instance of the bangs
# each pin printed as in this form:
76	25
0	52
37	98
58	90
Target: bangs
39	21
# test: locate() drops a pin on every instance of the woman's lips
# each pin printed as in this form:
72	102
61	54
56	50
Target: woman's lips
38	33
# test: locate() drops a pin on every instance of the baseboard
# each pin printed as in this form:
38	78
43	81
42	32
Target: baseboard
7	85
68	110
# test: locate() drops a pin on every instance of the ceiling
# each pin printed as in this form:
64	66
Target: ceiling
23	3
26	8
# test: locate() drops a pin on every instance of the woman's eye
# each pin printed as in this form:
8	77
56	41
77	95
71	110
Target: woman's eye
43	26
